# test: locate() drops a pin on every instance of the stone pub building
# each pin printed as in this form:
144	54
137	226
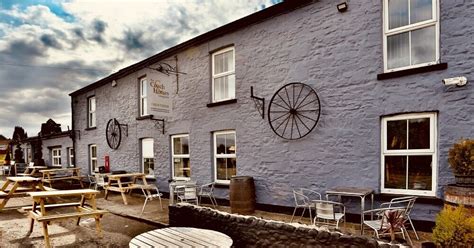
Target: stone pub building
380	117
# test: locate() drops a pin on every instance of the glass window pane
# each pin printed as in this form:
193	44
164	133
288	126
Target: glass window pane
226	168
147	148
177	146
230	144
419	172
219	88
231	86
231	167
396	135
395	172
221	168
397	13
419	133
185	145
149	166
94	151
181	145
220	144
423	45
398	51
218	63
144	87
420	10
182	167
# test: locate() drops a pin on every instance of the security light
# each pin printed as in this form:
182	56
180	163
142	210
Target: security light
342	7
458	81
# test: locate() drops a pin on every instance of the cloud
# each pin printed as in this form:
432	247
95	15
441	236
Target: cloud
49	41
49	48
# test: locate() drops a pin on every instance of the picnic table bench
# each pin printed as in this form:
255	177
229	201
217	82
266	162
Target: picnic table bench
32	171
19	187
43	217
60	174
116	184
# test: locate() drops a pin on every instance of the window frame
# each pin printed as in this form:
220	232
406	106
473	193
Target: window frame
216	156
143	97
411	27
91	159
214	76
142	158
57	156
173	156
91	113
433	151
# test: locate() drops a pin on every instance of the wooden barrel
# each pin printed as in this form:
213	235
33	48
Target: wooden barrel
455	195
242	195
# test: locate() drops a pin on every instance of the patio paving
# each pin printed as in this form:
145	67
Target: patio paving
116	223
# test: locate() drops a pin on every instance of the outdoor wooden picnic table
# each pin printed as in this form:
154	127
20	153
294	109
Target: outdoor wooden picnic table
60	174
181	237
20	185
116	184
32	170
357	192
81	210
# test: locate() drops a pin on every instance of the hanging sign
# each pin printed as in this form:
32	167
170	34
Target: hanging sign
159	98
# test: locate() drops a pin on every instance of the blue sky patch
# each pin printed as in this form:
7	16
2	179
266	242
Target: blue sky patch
53	5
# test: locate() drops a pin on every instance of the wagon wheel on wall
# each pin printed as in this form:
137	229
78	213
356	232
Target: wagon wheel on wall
113	133
294	111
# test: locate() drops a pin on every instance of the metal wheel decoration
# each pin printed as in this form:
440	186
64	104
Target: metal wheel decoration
113	133
294	111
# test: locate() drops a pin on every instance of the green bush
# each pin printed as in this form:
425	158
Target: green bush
454	228
461	157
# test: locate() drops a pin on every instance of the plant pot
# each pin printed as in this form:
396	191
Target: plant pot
463	180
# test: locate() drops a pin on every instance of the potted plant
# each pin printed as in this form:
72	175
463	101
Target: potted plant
461	160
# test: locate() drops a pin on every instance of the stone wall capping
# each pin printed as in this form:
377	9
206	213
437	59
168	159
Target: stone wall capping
251	231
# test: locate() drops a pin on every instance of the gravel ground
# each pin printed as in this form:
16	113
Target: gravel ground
117	230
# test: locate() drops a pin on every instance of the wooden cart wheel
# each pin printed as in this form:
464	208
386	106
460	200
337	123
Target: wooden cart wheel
294	111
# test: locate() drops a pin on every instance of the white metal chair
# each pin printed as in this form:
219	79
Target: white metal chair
92	182
11	167
404	201
302	201
207	190
150	192
386	219
329	211
187	193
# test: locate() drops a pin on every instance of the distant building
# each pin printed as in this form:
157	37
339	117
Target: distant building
52	147
386	120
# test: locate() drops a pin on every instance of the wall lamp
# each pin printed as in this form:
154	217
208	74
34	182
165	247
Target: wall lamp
342	7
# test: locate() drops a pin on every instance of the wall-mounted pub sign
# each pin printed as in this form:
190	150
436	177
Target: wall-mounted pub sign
159	98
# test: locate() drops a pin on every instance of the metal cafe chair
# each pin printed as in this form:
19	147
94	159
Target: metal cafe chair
384	216
150	192
302	201
404	201
207	190
92	182
329	211
187	193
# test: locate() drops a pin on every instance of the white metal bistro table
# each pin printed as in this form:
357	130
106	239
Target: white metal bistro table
173	185
354	191
181	237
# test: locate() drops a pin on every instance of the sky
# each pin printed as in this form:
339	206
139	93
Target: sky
50	48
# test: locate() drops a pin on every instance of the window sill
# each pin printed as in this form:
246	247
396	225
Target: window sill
90	128
215	104
402	73
386	197
145	117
